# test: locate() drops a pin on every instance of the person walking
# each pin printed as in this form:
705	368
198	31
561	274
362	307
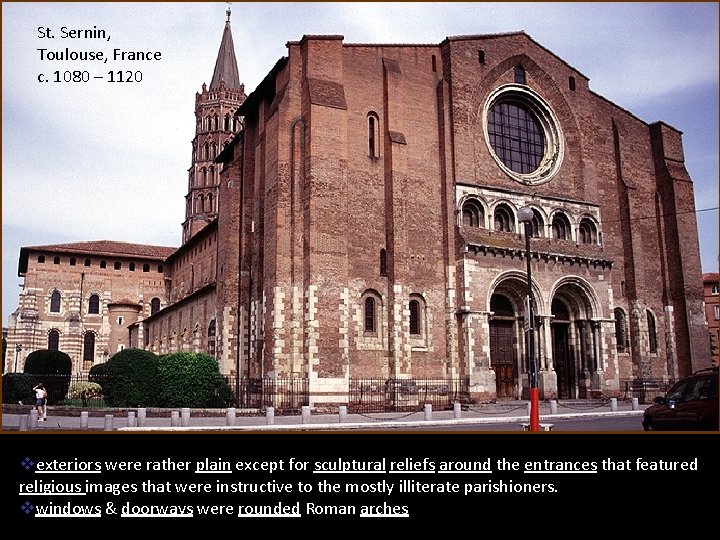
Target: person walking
41	401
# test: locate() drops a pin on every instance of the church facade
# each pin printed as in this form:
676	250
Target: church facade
361	214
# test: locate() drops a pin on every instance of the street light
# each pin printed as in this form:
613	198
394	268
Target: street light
525	215
18	348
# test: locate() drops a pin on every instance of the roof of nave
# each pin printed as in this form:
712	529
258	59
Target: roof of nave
108	247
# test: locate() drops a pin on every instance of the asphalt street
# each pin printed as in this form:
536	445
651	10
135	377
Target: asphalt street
515	414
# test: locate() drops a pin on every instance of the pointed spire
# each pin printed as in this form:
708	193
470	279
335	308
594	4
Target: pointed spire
226	70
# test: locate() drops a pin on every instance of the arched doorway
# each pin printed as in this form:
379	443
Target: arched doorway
502	346
561	350
576	339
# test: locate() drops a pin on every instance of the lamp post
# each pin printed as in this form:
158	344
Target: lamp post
525	215
18	348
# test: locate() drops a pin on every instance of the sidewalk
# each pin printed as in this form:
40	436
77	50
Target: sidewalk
253	420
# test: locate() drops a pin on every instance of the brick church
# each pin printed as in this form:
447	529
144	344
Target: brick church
362	212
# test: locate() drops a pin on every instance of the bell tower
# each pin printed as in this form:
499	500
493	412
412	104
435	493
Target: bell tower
215	126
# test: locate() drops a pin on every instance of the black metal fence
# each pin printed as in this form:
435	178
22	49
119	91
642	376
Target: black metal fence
69	389
289	395
285	395
389	395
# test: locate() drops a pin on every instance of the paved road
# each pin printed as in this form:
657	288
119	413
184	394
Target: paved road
502	417
617	423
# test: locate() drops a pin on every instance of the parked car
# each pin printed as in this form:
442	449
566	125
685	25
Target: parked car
691	404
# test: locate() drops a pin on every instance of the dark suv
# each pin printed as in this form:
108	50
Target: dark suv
691	404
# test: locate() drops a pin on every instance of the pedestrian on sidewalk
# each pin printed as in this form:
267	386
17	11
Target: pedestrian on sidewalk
41	401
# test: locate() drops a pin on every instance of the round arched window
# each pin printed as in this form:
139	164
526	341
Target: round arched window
522	134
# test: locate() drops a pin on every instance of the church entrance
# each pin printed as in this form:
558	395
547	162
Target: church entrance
562	351
563	361
502	357
502	347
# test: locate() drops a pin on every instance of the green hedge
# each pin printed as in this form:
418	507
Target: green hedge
52	368
18	387
97	373
192	380
132	379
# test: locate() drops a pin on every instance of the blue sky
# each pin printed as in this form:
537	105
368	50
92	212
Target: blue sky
104	161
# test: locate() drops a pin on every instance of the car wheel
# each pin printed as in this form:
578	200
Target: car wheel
648	425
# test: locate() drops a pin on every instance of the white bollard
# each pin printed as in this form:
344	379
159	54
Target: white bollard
457	410
174	419
185	417
342	413
84	420
553	406
33	421
230	416
305	414
613	404
131	419
108	422
270	416
529	409
635	404
141	416
428	411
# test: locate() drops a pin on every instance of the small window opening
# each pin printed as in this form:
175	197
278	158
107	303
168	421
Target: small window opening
373	139
369	314
414	317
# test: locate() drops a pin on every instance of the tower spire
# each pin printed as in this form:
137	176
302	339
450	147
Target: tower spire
226	70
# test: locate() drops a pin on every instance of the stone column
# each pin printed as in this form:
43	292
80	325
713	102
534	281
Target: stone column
476	332
547	378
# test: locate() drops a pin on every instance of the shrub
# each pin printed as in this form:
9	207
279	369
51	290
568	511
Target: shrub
18	387
85	391
192	380
52	368
132	379
48	362
98	373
